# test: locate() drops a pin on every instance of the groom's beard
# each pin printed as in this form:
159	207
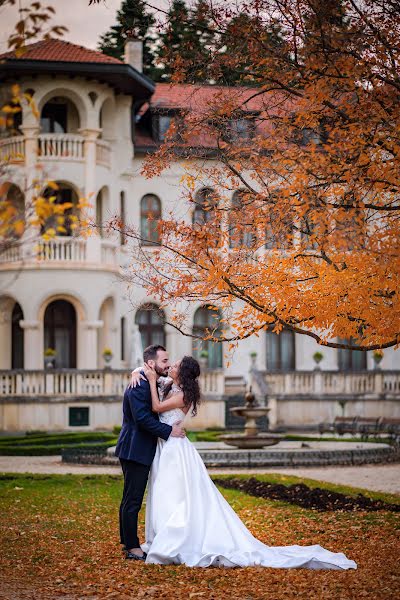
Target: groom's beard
161	372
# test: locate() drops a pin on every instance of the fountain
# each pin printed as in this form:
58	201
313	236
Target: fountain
251	438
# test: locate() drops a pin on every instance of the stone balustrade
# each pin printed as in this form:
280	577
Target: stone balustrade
54	146
61	250
326	383
12	149
84	383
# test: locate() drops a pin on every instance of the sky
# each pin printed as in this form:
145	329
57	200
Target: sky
85	23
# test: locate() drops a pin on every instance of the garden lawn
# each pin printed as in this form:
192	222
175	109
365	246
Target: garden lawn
59	539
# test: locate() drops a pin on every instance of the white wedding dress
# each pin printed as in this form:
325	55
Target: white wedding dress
189	522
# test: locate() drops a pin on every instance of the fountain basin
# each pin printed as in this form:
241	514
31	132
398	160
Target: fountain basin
260	440
252	413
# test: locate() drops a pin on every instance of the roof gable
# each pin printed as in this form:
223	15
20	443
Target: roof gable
61	51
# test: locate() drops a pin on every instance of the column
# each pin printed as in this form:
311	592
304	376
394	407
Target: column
33	345
88	356
90	135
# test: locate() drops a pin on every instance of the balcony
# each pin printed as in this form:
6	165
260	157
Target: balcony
332	383
307	398
61	252
54	146
85	383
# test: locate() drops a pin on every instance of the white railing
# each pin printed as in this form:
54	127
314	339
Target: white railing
212	383
103	153
61	249
91	383
61	145
328	383
12	149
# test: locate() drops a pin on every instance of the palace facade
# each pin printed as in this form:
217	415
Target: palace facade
98	118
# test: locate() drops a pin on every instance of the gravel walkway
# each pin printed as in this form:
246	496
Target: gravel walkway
379	478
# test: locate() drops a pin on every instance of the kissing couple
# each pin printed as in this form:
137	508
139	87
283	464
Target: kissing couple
188	521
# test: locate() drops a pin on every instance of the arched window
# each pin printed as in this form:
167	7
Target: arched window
59	115
206	321
278	231
14	198
240	233
150	215
151	320
63	195
351	360
60	333
281	354
17	338
206	200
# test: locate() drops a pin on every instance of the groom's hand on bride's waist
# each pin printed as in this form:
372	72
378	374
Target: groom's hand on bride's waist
178	430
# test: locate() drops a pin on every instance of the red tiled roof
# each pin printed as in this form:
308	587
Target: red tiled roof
61	51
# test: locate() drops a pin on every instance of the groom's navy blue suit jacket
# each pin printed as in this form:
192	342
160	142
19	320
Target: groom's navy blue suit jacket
140	426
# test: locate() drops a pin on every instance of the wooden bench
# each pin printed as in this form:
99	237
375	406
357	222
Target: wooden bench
364	427
340	425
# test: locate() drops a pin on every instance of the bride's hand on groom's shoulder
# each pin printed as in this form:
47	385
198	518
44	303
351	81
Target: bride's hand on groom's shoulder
136	376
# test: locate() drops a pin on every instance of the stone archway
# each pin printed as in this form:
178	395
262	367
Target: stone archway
60	332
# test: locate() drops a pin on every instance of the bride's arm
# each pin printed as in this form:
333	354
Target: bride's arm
176	401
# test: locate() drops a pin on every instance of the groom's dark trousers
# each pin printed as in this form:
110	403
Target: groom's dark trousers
136	448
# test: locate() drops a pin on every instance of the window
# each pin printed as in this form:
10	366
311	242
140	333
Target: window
151	320
240	233
206	200
99	213
78	416
240	129
60	333
278	231
351	360
122	327
122	235
63	195
206	321
150	215
280	350
162	119
164	122
54	118
17	338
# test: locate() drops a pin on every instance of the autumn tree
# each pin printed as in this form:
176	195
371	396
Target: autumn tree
312	241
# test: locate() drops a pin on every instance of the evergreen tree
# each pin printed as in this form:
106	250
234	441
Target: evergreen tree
133	19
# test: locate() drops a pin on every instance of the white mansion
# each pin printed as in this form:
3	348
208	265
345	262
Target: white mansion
99	117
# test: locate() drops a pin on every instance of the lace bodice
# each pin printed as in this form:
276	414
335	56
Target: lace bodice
175	414
172	416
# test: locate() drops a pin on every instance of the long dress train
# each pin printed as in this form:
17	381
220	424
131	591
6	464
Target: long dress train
189	522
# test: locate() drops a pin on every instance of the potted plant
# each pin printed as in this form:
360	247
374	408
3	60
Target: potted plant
107	355
203	359
253	358
49	357
317	356
377	356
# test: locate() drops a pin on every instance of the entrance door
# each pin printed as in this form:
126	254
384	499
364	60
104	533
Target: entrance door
60	333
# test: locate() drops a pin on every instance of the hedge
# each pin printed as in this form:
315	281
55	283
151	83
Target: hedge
51	450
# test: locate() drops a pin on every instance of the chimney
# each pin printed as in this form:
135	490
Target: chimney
133	53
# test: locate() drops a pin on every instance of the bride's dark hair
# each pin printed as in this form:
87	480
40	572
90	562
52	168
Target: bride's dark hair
189	371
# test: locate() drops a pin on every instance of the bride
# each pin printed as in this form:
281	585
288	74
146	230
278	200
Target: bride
188	521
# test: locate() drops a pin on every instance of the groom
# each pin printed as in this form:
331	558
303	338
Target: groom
136	448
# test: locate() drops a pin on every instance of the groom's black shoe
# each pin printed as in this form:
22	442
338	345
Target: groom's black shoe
132	556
